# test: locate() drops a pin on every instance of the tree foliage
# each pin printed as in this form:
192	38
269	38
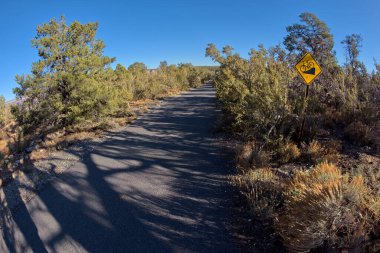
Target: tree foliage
311	35
318	208
263	96
67	83
255	92
73	82
352	44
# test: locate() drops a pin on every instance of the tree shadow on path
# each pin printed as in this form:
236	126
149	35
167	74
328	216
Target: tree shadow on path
159	185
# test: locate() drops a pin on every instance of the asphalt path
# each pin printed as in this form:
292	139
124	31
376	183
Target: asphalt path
157	185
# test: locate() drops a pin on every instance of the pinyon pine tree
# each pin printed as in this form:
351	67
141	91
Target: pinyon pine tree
311	35
66	85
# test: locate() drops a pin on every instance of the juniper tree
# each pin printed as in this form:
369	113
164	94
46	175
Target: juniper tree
139	79
352	44
311	35
138	67
124	89
66	84
254	92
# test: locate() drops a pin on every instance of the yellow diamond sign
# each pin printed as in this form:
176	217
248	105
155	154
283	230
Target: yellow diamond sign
308	68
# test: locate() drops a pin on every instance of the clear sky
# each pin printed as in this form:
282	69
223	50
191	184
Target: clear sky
179	30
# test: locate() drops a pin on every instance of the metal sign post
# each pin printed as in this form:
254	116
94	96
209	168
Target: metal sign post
309	69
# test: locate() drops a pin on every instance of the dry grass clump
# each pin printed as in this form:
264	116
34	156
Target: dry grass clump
14	138
312	201
324	207
288	152
374	207
4	149
60	140
312	151
244	155
263	191
315	152
7	137
332	151
124	120
372	177
316	208
248	156
370	171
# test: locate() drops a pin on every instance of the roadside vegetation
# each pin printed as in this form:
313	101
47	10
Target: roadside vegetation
73	93
316	190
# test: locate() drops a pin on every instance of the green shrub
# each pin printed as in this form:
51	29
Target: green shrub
262	98
312	151
255	92
76	84
358	133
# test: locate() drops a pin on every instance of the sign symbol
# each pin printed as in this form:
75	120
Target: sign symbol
308	68
310	71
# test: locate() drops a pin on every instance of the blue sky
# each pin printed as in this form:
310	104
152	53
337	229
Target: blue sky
179	30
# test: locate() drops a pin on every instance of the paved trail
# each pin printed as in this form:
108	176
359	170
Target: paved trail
158	185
